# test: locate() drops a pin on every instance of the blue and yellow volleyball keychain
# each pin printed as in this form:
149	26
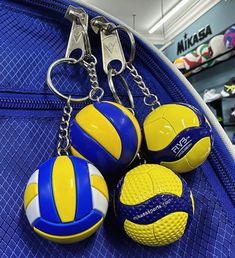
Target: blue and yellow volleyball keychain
154	206
111	132
66	198
177	135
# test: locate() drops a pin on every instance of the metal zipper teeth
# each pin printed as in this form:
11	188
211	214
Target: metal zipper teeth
174	92
36	104
53	5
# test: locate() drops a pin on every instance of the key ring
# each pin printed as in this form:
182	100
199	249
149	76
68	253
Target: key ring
132	41
111	74
50	84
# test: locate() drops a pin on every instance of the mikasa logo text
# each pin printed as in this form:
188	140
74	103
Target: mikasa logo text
151	211
182	146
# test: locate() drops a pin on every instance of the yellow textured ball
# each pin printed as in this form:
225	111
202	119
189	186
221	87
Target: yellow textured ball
153	205
178	136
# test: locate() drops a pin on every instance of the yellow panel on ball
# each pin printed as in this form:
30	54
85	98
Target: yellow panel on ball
162	232
72	238
162	136
102	133
149	184
182	117
30	192
98	183
64	188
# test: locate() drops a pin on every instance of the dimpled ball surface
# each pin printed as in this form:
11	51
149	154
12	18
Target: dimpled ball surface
106	134
177	136
66	200
153	205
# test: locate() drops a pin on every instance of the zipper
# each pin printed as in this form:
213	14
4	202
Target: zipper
36	103
175	92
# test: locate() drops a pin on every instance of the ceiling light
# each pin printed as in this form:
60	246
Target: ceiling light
168	15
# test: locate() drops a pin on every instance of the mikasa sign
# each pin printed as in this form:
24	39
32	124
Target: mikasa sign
189	42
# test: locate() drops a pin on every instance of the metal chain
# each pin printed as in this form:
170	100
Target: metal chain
149	98
96	93
64	142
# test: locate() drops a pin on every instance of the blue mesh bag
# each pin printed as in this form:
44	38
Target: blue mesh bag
34	34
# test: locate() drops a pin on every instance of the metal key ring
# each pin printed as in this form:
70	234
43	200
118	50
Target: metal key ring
132	40
111	74
51	85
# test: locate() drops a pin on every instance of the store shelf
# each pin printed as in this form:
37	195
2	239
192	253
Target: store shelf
189	73
229	124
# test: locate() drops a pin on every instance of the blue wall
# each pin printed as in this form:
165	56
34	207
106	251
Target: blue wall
219	17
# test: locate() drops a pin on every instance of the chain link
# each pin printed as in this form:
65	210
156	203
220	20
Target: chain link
149	98
64	142
96	93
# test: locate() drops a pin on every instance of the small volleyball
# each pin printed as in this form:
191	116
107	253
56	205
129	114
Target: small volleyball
153	205
229	37
177	136
179	63
204	52
66	199
106	134
217	48
192	60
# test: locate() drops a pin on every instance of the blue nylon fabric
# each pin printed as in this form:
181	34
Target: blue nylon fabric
69	228
83	187
31	38
45	192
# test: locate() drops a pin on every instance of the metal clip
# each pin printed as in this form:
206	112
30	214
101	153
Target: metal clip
110	43
78	38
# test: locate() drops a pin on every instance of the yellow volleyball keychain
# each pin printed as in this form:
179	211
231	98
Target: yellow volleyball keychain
66	198
111	132
177	135
154	206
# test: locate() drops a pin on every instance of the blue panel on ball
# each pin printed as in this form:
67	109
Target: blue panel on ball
153	209
46	199
188	201
92	150
83	187
181	145
71	228
125	128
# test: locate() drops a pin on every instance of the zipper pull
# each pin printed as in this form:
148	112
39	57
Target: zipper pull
78	38
110	43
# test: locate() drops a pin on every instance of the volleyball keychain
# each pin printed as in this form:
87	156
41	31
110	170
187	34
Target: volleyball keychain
177	135
106	133
66	198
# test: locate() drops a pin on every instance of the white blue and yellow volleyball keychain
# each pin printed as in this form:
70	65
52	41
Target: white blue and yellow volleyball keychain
153	205
66	198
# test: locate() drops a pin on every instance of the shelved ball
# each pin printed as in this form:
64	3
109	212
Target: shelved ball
106	134
204	52
177	136
179	63
217	47
192	60
229	37
153	205
66	199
